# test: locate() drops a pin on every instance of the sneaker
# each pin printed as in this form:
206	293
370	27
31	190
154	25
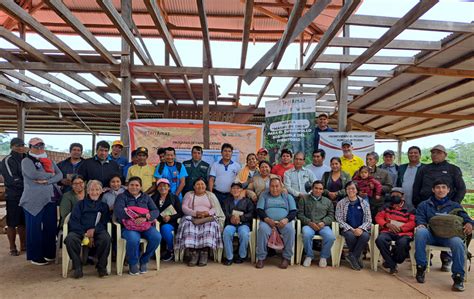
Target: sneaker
133	270
49	260
393	270
143	268
360	262
227	262
238	260
446	266
420	274
77	273
259	264
458	285
323	263
352	261
307	261
102	272
168	256
40	262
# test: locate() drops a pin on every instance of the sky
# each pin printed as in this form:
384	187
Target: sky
227	54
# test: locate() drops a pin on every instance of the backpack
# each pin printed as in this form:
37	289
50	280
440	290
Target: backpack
161	166
447	225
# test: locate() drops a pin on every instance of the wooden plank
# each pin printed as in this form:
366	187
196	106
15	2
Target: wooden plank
13	95
356	92
125	64
412	114
248	15
21	118
358	42
435	71
205	109
411	16
68	120
373	73
355	83
392	60
431	25
22	89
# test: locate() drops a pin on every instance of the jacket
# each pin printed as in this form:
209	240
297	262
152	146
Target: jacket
427	209
259	184
401	173
84	216
200	171
341	214
170	199
67	168
383	177
296	181
94	169
244	205
392	171
126	199
401	215
68	201
429	173
315	210
364	186
345	177
10	169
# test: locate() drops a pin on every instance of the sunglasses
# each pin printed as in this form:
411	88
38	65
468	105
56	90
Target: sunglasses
38	146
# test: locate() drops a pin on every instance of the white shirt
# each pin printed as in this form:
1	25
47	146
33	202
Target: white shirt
224	175
318	171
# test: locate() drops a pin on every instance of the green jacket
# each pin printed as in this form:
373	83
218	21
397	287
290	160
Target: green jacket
68	201
345	177
315	210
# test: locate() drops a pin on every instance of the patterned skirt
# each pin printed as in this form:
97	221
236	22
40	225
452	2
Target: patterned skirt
198	236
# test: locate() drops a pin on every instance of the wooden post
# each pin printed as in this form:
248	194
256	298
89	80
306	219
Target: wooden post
205	108
343	89
21	120
399	152
166	113
93	144
125	66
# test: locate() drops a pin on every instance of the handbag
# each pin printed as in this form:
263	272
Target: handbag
134	213
447	225
275	241
198	221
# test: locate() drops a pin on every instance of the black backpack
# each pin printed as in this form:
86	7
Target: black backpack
161	166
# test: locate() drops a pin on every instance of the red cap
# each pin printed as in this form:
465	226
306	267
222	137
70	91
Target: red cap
262	150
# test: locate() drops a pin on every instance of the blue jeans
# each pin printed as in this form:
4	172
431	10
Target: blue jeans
328	239
243	232
356	244
167	234
153	238
424	237
263	234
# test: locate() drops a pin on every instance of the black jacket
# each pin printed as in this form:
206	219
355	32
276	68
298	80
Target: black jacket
10	168
170	199
67	168
84	215
201	171
244	205
93	169
428	174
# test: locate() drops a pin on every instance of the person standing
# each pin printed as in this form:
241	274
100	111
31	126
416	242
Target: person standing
389	165
100	167
143	170
298	179
350	163
322	127
285	163
407	173
173	171
377	173
10	168
318	168
116	154
262	155
70	166
196	168
223	174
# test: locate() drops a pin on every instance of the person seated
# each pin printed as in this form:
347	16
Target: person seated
353	216
70	198
276	209
143	225
88	226
116	188
201	227
239	212
316	213
246	174
396	224
440	203
170	212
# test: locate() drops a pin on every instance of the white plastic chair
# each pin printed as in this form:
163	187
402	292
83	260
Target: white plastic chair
300	247
122	243
65	256
340	241
252	241
292	260
440	248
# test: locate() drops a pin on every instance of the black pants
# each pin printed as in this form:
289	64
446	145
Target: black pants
393	255
101	243
356	244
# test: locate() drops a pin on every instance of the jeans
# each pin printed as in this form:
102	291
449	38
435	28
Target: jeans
243	232
424	237
264	232
393	255
166	231
356	244
41	233
328	239
153	238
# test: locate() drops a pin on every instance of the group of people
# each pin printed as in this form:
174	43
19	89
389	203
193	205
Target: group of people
200	207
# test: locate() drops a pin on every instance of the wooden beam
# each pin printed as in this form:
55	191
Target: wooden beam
248	15
423	132
370	129
412	114
392	60
125	65
436	71
205	110
358	42
21	118
324	90
22	89
354	83
68	120
336	25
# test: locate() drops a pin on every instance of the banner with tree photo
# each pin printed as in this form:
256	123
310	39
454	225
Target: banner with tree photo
289	123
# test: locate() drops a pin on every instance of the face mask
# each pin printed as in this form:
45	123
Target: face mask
396	200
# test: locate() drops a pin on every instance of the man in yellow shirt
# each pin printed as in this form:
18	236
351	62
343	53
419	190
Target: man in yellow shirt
143	170
350	162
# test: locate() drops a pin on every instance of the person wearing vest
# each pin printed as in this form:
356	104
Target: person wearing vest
440	203
173	171
196	168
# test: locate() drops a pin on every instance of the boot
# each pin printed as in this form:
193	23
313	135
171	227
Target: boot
420	274
203	256
458	285
193	257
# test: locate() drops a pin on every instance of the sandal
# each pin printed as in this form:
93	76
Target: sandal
14	252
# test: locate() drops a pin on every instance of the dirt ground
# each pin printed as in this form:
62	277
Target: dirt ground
20	279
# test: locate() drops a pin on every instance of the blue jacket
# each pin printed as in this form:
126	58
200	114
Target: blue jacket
126	199
427	209
84	215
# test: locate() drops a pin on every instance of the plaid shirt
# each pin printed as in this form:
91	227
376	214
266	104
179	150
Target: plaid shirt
341	214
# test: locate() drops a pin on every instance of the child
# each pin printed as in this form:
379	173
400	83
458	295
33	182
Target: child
115	184
369	187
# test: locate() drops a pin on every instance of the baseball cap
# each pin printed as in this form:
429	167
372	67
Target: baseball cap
262	150
346	141
141	149
323	115
117	142
17	141
163	181
439	147
397	189
236	184
388	153
35	141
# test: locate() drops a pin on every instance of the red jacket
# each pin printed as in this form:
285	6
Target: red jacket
280	170
364	186
401	215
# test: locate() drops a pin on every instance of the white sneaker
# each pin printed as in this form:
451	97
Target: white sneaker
307	262
323	262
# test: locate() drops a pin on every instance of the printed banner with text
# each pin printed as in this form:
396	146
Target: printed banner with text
331	143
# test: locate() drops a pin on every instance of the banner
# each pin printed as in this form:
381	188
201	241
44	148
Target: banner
289	123
183	134
331	143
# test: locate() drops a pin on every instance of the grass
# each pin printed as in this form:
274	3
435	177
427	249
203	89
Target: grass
469	200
